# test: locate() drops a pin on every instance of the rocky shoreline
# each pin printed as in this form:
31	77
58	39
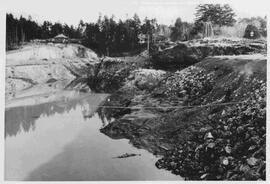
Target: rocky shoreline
208	120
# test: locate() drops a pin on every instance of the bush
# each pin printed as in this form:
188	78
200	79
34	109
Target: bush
249	30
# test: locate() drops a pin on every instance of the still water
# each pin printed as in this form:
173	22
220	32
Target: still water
56	137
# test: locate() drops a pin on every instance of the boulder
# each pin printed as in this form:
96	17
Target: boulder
146	78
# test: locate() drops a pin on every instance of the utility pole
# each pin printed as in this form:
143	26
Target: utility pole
16	35
22	35
148	42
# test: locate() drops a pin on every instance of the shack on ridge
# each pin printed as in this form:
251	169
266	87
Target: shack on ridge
61	38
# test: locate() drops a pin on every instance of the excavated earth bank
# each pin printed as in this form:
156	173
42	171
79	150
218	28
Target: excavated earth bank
47	64
207	120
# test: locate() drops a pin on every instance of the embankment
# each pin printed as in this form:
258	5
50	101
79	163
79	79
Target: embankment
35	64
208	120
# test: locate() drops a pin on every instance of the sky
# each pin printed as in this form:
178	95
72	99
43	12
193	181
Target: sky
166	12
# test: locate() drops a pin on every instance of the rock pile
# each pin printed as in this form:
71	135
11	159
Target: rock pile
230	144
189	83
216	142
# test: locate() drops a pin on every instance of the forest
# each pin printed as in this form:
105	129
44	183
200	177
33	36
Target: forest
108	36
105	36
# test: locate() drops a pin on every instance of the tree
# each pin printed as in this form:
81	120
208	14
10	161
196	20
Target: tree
135	29
20	30
252	32
121	36
220	15
259	22
106	34
91	39
149	27
80	29
180	31
56	29
216	13
46	30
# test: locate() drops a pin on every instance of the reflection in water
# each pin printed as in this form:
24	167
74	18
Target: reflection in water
24	117
108	115
66	144
37	89
103	116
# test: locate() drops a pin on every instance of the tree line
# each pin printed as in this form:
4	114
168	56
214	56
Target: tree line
105	36
109	36
19	30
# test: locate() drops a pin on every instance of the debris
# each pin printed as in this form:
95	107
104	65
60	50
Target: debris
126	155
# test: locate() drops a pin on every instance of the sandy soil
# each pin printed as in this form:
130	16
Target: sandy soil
42	64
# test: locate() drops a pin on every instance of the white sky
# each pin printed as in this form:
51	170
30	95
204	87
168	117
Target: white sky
166	12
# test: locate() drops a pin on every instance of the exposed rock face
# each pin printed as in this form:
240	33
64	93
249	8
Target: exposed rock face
182	54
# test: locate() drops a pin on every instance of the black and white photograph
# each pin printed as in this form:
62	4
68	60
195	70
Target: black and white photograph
134	90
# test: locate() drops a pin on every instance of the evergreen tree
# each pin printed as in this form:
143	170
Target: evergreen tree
56	29
222	15
105	36
180	30
149	27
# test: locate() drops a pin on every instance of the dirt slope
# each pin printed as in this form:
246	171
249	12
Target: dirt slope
47	63
221	141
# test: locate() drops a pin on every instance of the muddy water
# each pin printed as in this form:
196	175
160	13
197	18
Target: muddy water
56	137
